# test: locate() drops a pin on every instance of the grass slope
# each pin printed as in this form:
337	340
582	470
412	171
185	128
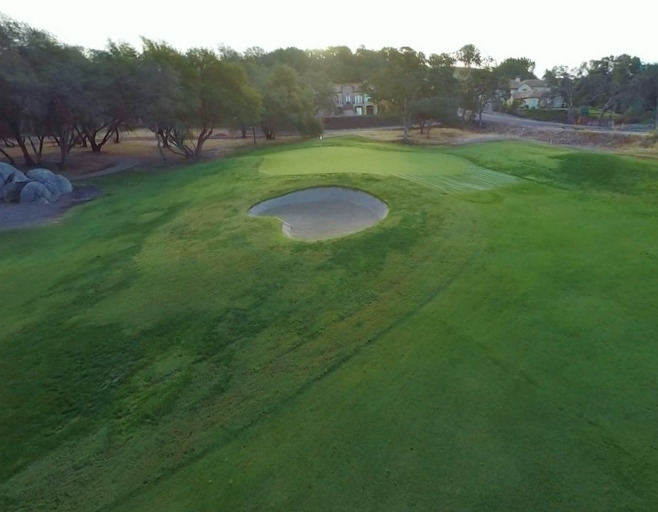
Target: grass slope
490	350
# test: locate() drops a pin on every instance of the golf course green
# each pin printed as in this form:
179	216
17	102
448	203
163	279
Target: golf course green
490	345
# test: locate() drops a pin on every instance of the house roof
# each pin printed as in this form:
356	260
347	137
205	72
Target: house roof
355	86
532	94
534	82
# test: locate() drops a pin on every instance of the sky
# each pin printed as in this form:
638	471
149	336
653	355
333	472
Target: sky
558	32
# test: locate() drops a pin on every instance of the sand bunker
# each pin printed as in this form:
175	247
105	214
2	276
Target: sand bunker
323	212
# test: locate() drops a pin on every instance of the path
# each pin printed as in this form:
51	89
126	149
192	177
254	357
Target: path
123	165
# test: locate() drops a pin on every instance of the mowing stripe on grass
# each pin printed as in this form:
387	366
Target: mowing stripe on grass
473	180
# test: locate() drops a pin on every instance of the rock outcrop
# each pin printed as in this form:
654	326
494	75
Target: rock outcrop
11	190
56	183
36	192
38	186
6	170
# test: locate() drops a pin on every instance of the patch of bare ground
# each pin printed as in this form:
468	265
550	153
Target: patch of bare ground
138	146
643	145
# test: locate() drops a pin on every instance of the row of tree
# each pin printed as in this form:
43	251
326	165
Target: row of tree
614	84
72	95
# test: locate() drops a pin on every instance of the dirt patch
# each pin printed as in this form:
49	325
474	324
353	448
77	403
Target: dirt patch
322	213
17	216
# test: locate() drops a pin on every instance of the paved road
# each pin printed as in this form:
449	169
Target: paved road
499	118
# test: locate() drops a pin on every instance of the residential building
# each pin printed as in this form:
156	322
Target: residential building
533	93
351	100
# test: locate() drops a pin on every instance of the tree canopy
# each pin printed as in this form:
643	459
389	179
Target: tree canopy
71	95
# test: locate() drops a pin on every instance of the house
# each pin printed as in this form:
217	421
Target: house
351	100
533	93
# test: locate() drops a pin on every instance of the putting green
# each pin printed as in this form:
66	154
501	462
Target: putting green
442	171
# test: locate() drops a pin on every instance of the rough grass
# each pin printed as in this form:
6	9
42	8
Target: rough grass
559	166
161	350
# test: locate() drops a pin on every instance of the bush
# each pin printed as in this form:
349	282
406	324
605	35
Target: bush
311	127
547	115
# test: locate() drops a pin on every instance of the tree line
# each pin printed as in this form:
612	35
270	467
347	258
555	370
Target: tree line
72	95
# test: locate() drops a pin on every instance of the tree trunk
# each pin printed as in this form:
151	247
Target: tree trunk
244	132
158	138
570	119
95	147
405	120
164	137
26	154
38	150
8	156
203	137
253	131
117	137
20	140
67	140
422	126
63	153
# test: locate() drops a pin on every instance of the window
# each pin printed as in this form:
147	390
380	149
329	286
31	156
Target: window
358	110
366	99
348	98
358	99
370	110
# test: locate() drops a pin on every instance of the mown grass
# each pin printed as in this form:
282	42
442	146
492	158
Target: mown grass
161	350
559	166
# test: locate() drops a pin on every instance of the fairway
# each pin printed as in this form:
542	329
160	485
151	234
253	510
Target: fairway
489	345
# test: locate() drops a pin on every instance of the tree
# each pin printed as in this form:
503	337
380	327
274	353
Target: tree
116	84
480	85
206	94
564	83
23	90
469	55
67	98
287	104
401	80
612	83
523	68
442	93
441	108
649	89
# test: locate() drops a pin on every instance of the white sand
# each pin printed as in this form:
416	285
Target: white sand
323	212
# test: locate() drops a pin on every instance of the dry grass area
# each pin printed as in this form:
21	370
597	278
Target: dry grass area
436	136
138	145
643	145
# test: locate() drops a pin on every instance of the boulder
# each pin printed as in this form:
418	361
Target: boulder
35	192
6	170
56	183
11	191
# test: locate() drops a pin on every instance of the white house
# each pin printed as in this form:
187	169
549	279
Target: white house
534	93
